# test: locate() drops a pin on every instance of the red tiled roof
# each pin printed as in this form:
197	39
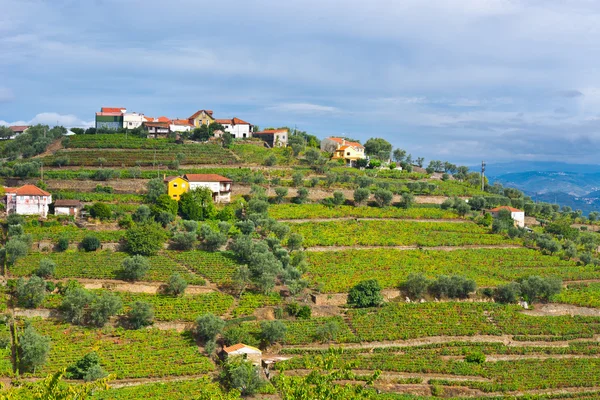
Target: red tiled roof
181	122
67	203
238	121
205	178
27	190
347	142
208	112
112	109
148	119
237	347
18	128
511	209
164	119
224	121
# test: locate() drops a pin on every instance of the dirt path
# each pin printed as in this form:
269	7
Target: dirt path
51	149
554	309
439	248
301	220
134	287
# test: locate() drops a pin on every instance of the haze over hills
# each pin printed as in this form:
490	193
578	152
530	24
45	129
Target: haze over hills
573	185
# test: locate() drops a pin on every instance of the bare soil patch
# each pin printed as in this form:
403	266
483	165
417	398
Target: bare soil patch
553	309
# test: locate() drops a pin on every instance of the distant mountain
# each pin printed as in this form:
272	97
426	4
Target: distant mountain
575	184
497	169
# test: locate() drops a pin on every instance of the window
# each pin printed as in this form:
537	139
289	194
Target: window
348	153
183	185
283	137
174	185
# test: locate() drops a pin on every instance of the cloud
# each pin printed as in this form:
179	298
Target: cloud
569	93
6	95
53	119
303	108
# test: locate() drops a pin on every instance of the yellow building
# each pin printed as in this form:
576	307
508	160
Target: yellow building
202	117
343	149
176	186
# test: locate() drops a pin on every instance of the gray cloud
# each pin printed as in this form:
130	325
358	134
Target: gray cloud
569	93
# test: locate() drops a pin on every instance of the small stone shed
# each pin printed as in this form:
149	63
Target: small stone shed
250	353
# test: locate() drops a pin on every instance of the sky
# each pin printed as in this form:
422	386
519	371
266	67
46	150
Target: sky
457	80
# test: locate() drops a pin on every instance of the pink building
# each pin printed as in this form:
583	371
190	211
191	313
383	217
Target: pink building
27	200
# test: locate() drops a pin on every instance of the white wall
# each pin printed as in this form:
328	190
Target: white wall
180	128
239	130
519	218
28	205
132	120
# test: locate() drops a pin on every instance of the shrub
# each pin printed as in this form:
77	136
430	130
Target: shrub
361	195
242	375
142	214
327	332
184	240
90	243
338	198
302	196
304	312
88	368
74	304
101	211
140	315
280	194
297	179
407	200
365	294
103	307
63	243
508	293
535	288
145	239
383	197
46	268
135	267
453	287
475	357
15	249
176	285
208	326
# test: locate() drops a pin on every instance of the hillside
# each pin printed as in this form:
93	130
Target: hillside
156	295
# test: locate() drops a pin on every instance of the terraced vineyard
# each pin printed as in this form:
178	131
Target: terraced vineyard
404	233
216	267
125	353
583	294
338	271
99	265
71	232
315	211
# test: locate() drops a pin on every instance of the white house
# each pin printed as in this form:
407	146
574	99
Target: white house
17	130
181	125
133	120
219	185
157	128
273	137
67	207
27	200
238	128
517	215
250	353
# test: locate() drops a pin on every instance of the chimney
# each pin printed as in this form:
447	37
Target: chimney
343	142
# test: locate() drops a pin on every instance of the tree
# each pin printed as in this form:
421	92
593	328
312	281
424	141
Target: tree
63	243
208	326
453	287
164	203
302	195
46	268
338	198
197	204
280	194
242	375
383	197
184	240
103	307
101	211
378	147
135	267
227	140
74	305
90	243
272	331
176	285
535	288
141	214
32	293
33	350
87	368
155	188
241	279
15	249
145	239
415	286
407	200
508	293
399	155
294	241
140	315
5	132
365	294
361	195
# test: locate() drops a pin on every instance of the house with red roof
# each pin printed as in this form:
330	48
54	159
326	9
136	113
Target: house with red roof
243	351
17	130
342	149
219	185
110	118
27	200
238	128
517	215
273	137
201	117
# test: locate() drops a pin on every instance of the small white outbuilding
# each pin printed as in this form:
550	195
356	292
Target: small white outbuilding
517	215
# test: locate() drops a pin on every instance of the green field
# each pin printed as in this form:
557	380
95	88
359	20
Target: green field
216	267
338	271
99	265
314	211
583	294
396	233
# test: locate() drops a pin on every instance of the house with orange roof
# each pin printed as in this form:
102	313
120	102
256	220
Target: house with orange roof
201	117
517	215
133	120
273	137
342	149
17	130
244	351
219	185
238	128
27	200
181	125
110	118
157	129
